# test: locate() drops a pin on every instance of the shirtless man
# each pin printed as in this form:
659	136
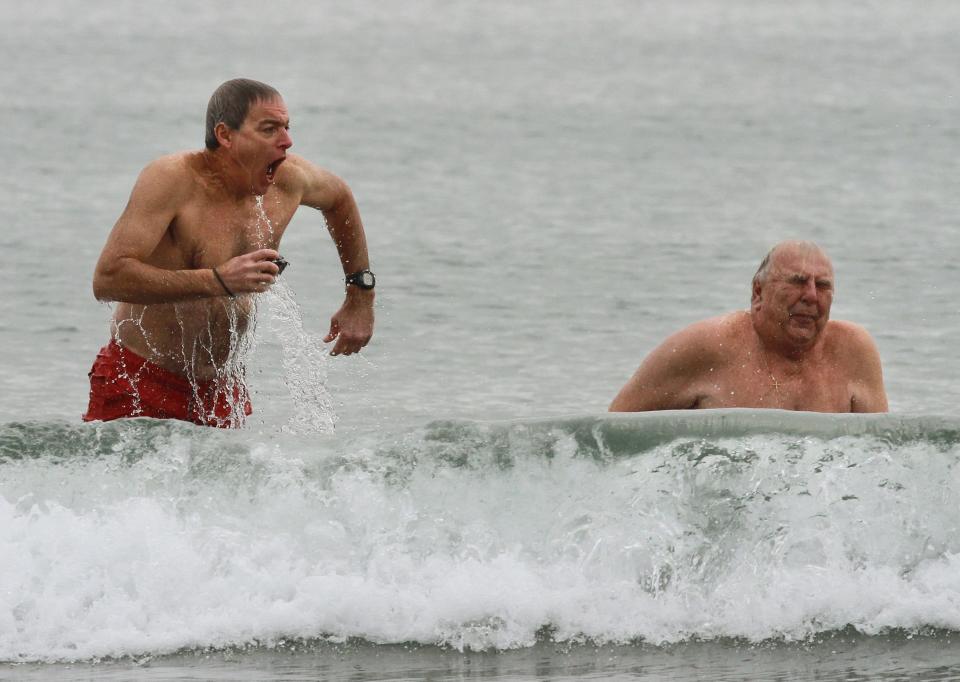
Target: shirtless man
783	353
198	238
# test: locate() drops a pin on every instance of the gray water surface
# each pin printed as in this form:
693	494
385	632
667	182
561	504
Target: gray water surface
548	189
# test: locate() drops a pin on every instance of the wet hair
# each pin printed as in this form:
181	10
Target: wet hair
231	102
761	274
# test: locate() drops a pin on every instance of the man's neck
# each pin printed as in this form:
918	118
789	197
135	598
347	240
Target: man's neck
776	348
226	174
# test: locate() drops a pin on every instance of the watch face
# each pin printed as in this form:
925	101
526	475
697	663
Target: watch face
363	279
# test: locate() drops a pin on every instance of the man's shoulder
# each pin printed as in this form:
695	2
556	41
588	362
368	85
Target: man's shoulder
712	339
294	174
719	330
316	186
852	344
298	162
298	169
168	182
180	168
844	334
185	161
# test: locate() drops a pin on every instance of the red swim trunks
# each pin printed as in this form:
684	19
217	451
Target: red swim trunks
123	384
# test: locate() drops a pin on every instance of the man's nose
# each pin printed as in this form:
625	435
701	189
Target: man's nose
285	140
810	290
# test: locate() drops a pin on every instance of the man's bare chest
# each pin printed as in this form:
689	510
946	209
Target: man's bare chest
815	389
207	233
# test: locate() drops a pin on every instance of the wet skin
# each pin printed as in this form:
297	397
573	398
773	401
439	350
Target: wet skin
196	337
784	352
227	208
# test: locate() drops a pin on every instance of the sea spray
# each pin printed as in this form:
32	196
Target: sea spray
304	362
147	537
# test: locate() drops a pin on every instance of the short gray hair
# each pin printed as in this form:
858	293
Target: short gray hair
231	102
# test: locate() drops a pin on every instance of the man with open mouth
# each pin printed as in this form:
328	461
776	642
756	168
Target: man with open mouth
198	238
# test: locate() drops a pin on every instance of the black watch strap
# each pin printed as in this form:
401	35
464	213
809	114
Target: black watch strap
363	279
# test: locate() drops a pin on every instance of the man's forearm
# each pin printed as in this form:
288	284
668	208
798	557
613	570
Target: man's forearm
132	281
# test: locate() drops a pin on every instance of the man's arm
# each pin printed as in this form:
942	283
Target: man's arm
352	324
123	273
668	377
868	392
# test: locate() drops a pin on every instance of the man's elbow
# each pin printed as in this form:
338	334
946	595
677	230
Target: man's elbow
102	294
104	283
618	406
342	203
872	402
628	401
880	403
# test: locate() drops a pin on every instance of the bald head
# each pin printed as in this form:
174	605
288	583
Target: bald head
785	250
792	295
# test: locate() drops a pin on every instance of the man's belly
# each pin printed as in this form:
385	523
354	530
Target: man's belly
200	340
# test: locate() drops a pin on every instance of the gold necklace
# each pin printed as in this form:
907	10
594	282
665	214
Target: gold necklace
773	379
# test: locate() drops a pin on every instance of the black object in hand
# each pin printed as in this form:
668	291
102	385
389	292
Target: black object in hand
281	263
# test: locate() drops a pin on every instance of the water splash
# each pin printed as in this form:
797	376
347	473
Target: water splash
304	363
263	225
217	340
475	535
229	384
221	336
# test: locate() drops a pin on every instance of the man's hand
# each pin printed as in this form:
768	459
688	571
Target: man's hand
250	273
352	325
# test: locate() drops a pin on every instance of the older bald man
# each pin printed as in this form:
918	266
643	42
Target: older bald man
784	353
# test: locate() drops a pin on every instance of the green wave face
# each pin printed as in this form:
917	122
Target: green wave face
660	527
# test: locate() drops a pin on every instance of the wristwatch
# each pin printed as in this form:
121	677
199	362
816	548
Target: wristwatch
363	279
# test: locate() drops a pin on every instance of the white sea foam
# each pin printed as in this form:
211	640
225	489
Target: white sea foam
181	537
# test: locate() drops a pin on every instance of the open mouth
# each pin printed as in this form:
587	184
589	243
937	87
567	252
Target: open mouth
272	168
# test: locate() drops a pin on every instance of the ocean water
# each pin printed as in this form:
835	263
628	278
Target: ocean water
548	189
662	542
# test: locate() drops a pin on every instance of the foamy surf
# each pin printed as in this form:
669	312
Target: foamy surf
144	537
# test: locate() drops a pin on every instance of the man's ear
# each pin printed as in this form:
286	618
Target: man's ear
755	294
224	134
